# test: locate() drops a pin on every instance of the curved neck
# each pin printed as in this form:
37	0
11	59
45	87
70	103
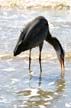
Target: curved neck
54	42
58	48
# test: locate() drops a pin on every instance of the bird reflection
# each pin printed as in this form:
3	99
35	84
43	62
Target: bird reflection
43	96
60	84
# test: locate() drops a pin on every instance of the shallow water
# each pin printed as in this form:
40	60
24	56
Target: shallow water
42	86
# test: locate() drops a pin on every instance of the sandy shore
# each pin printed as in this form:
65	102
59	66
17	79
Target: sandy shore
35	55
36	4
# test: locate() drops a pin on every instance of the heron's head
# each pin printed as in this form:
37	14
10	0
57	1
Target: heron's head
18	49
61	55
59	50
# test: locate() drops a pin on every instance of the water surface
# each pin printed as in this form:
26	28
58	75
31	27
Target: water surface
42	86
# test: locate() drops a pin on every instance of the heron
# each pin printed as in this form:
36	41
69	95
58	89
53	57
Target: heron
34	35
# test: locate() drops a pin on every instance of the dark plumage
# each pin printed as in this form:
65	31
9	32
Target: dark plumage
34	34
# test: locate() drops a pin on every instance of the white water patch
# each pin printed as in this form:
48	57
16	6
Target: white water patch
9	69
41	106
3	100
51	83
34	92
68	105
14	81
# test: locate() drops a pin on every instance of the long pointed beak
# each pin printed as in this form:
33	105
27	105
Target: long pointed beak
62	63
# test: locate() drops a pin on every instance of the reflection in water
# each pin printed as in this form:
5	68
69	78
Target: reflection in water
37	97
60	84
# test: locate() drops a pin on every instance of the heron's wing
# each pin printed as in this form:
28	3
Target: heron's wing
36	31
22	35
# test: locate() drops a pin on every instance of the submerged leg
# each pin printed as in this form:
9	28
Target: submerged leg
40	75
29	59
40	49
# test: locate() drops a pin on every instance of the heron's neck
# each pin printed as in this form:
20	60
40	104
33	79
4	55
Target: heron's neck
53	41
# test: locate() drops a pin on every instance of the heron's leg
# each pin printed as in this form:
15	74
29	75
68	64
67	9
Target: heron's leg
29	54
40	49
40	75
29	58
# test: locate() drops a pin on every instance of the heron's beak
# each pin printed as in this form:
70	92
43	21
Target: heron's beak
62	62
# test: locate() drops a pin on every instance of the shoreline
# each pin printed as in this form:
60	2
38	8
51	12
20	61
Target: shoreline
25	55
30	5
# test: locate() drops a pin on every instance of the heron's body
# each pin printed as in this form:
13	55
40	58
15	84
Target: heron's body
34	35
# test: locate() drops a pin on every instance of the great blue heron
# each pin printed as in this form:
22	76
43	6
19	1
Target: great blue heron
34	34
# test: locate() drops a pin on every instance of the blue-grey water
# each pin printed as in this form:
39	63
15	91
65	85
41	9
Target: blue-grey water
35	88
